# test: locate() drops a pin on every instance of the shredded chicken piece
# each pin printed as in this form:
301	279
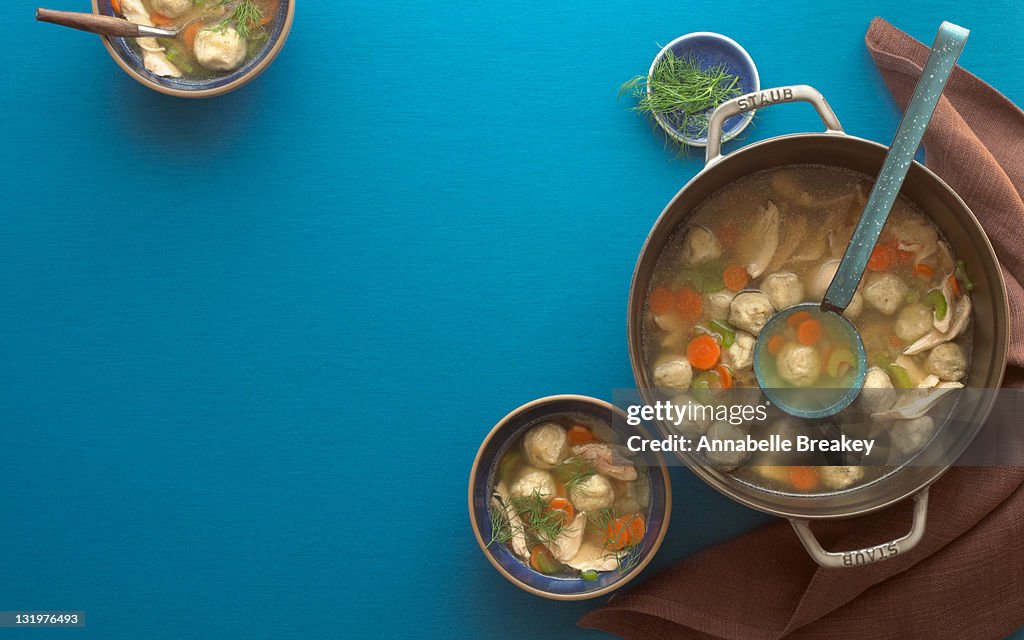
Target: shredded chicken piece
917	374
592	557
916	404
936	337
760	241
502	500
607	461
154	57
567	544
794	229
813	248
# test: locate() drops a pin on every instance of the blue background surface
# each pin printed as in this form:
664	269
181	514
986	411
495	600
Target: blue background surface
249	346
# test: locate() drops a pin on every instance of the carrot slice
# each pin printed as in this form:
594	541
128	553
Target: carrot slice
803	478
542	560
809	332
735	277
563	505
625	531
724	376
578	434
883	258
775	344
661	301
269	13
954	284
190	32
926	271
703	352
689	304
895	341
535	557
798	317
160	19
115	6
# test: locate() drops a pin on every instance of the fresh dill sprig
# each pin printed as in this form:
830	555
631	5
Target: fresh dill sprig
629	558
628	555
247	17
540	522
600	520
501	528
577	471
682	92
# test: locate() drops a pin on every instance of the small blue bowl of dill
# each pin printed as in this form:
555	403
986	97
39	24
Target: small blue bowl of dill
691	76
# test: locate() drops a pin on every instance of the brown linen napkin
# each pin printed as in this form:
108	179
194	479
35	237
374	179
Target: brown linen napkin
966	578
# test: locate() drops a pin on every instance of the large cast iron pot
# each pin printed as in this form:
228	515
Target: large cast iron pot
990	324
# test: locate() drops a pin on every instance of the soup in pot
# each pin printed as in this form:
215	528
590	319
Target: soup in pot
773	240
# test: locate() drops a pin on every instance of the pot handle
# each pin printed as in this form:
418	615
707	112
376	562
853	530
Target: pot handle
766	98
867	555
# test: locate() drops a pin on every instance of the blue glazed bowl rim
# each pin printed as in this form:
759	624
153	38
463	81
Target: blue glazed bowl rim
744	119
217	86
560	404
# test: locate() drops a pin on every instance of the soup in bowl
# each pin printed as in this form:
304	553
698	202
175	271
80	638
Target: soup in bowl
560	506
221	44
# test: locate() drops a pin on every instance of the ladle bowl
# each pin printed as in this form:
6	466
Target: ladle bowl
818	400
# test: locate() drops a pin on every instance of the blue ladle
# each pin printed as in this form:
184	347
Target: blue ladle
815	403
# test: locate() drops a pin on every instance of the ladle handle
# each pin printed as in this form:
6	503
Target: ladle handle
867	555
947	47
765	98
103	25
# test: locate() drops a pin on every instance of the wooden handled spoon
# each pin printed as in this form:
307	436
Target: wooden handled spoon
103	25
